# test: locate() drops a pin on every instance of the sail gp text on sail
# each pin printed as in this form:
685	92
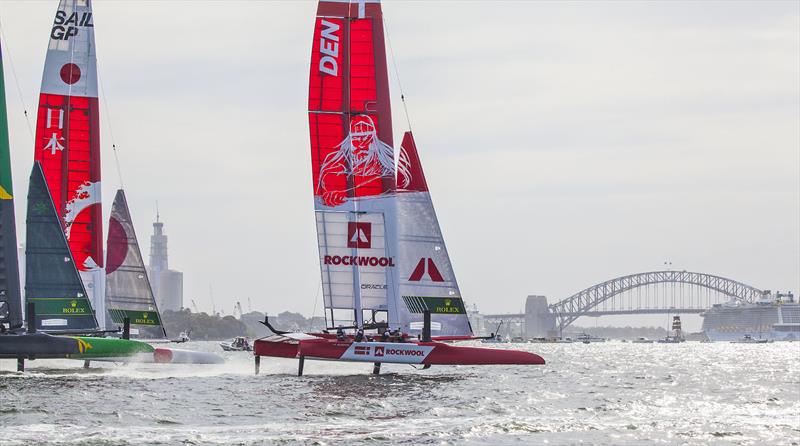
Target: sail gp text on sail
359	261
66	26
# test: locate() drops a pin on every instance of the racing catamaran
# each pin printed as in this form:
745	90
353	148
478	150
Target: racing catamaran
389	289
65	278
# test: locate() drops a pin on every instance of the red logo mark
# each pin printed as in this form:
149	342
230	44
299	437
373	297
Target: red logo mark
70	73
379	350
359	234
361	350
432	271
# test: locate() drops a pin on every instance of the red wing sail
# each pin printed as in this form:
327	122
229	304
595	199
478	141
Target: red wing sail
352	160
348	104
68	137
67	130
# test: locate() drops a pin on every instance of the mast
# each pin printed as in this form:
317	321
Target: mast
10	296
67	140
353	160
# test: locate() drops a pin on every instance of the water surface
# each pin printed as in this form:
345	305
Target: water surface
605	394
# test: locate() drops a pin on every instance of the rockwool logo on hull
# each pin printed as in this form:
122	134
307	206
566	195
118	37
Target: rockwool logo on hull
399	352
359	261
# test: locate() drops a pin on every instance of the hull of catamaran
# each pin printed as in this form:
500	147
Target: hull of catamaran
416	352
45	346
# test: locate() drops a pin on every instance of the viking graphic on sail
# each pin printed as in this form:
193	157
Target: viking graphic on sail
360	154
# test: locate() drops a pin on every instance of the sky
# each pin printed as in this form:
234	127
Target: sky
564	143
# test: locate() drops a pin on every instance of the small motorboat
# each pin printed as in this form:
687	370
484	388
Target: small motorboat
641	340
496	339
182	337
747	339
237	344
586	338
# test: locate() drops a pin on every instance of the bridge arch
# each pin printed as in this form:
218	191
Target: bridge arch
581	303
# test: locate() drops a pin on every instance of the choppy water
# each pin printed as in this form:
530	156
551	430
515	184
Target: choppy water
612	393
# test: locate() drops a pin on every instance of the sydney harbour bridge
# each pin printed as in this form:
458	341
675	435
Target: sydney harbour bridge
655	292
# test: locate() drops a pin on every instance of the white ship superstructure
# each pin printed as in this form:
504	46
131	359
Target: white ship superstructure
774	318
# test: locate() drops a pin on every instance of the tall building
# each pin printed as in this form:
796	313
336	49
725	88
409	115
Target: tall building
167	284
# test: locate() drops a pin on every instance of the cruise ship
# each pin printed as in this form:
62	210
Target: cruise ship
773	317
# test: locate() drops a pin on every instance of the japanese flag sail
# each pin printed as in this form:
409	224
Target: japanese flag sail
68	139
128	291
353	161
427	280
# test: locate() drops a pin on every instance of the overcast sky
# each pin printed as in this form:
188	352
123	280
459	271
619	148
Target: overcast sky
565	143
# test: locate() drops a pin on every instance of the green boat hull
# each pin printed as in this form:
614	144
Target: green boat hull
98	348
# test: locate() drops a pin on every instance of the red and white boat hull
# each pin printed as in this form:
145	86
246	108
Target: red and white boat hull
417	352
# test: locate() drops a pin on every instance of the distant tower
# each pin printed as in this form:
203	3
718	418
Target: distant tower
158	247
167	284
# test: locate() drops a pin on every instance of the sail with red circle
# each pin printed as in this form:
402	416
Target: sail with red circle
128	291
68	138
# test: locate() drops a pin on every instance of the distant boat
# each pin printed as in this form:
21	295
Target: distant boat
496	339
237	344
774	316
586	338
183	337
676	336
641	340
748	339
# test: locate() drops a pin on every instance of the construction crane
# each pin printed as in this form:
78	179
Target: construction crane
194	306
237	310
249	306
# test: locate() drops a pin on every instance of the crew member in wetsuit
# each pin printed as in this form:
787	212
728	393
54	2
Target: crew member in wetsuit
359	335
